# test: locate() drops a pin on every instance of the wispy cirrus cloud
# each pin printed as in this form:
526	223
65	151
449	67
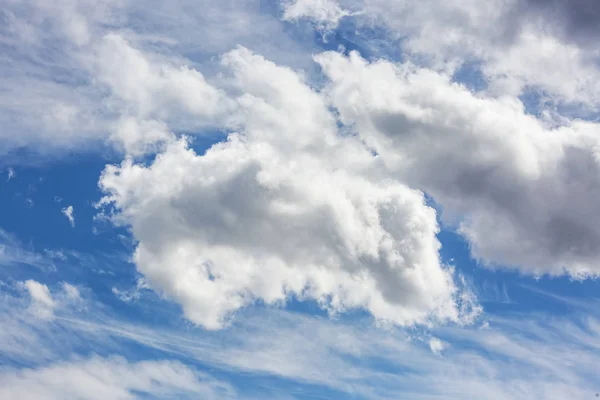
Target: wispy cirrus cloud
112	377
509	357
533	355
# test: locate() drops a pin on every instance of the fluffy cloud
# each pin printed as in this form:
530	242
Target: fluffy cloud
512	42
286	206
151	92
436	346
67	82
104	378
292	205
328	12
302	200
524	193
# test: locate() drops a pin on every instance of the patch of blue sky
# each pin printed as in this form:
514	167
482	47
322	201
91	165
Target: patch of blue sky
470	75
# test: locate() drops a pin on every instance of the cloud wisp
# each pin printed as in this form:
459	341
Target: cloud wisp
509	357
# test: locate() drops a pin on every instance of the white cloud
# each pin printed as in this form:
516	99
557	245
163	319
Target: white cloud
141	137
12	252
68	212
284	207
293	205
436	345
522	193
56	254
537	358
327	12
10	174
150	86
290	204
133	294
290	199
69	85
517	356
109	378
514	358
512	46
150	92
71	292
42	304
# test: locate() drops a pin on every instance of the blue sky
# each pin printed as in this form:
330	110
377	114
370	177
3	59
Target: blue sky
299	199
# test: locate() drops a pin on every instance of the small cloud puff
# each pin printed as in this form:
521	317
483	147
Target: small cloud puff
43	304
11	174
69	211
71	292
436	346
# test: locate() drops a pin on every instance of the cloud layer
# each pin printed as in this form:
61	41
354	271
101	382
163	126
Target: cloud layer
113	377
506	358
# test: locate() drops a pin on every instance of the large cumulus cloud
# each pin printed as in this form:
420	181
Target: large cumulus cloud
286	206
524	194
319	193
328	205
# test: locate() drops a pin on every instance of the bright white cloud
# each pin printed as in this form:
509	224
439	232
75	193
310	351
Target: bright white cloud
512	46
109	378
317	193
522	193
327	12
79	79
284	207
290	204
69	213
132	294
436	345
151	92
42	304
151	87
